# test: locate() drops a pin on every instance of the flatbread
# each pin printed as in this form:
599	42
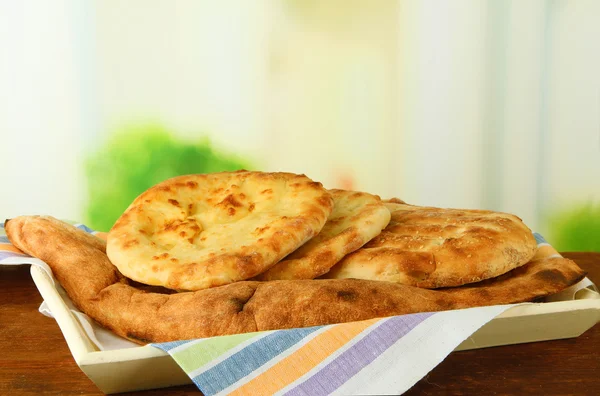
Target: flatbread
432	247
357	217
98	289
394	200
199	231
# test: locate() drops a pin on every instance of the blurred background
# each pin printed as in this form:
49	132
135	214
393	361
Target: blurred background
468	103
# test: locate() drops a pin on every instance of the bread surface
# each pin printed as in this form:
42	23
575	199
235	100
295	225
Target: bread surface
98	289
433	247
357	217
200	231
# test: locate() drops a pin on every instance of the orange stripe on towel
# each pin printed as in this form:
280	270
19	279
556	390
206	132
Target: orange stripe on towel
7	247
304	359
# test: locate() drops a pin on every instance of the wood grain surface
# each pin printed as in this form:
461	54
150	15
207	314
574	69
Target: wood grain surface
36	360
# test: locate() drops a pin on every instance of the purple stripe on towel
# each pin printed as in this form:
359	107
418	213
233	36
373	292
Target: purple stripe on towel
358	356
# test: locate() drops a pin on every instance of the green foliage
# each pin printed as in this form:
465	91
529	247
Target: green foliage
577	229
137	158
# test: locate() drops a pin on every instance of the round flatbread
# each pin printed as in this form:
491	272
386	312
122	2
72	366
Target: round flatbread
98	289
199	231
356	218
432	247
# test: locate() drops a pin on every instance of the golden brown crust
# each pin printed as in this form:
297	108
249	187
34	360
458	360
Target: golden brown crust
394	200
98	289
199	231
52	240
432	247
357	217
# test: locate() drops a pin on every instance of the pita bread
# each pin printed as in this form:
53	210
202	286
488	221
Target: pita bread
97	288
431	247
199	231
394	200
356	218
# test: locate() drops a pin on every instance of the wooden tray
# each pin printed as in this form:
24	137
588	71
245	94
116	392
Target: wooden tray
146	367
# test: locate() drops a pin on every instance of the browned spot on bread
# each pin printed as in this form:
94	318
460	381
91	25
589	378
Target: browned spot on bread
275	242
170	226
260	230
174	259
174	202
182	234
552	276
445	303
130	243
247	260
191	240
347	295
324	201
334	222
230	200
354	239
267	191
418	276
231	211
192	184
238	303
164	188
484	293
251	207
321	262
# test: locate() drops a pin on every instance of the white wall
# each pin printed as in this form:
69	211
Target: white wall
332	93
195	66
40	110
520	111
499	105
572	143
441	103
449	103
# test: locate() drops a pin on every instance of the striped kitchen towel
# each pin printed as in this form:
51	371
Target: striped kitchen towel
378	356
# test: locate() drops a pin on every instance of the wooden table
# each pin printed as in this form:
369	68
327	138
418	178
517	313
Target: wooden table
35	359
